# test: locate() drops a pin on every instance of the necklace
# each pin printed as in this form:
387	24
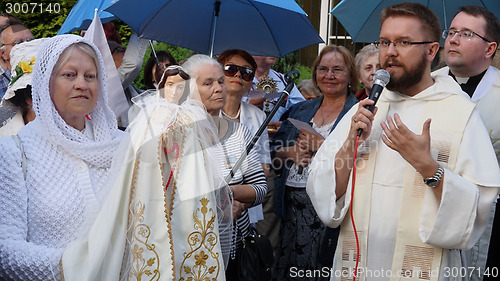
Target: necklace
328	115
231	117
323	117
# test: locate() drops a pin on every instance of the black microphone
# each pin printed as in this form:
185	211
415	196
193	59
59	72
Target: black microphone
381	78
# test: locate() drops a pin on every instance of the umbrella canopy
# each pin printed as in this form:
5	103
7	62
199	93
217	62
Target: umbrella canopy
360	18
261	27
82	14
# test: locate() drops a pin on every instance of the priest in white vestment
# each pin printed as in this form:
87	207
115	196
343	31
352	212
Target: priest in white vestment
423	128
470	46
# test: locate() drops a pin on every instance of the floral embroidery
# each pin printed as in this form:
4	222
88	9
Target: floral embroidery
142	250
202	242
21	68
494	140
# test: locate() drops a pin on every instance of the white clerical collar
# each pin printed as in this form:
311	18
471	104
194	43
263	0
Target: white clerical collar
462	80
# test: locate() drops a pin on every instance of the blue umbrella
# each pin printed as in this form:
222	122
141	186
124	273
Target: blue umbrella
360	18
82	14
261	27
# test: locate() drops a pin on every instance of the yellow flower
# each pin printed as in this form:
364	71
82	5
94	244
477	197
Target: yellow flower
21	68
26	66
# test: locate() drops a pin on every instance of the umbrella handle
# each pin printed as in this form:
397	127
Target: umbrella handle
217	7
214	27
154	53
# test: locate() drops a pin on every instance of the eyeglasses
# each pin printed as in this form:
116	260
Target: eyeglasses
323	70
230	70
19	41
398	43
467	34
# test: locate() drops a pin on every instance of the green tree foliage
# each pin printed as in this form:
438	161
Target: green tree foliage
291	62
43	17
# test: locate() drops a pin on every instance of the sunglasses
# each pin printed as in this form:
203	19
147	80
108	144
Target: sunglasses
230	70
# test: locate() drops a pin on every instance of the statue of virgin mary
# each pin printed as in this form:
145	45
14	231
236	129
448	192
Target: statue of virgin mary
168	216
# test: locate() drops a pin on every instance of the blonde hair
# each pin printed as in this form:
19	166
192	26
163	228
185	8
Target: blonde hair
66	54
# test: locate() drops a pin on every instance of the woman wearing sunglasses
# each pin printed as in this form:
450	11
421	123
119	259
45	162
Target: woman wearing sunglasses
239	69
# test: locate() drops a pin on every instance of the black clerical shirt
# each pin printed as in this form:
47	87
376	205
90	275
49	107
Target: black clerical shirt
471	84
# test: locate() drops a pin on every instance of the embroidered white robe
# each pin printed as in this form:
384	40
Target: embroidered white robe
456	223
156	225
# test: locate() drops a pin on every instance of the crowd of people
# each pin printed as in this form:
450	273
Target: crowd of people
168	190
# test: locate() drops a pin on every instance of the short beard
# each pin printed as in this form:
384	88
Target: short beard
409	78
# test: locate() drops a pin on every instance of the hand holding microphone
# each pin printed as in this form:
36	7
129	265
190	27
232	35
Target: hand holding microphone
382	78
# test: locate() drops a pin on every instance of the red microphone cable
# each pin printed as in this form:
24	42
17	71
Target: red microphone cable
352	217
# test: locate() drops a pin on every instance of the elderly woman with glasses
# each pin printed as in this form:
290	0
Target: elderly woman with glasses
301	230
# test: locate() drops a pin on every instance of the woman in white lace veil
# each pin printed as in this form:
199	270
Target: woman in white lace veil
55	174
170	215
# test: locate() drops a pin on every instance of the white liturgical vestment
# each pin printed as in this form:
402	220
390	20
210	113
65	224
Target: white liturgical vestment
163	218
404	230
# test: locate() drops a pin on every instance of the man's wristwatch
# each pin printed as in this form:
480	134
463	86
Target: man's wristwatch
435	179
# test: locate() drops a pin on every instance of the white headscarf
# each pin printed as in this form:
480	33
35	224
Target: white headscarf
99	151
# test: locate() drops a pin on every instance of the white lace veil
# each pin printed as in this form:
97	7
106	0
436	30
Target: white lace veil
191	122
98	152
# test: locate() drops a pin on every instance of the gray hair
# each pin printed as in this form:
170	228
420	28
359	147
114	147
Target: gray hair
366	52
309	86
193	64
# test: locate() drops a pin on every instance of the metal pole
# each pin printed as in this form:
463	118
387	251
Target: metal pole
154	53
214	26
290	78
